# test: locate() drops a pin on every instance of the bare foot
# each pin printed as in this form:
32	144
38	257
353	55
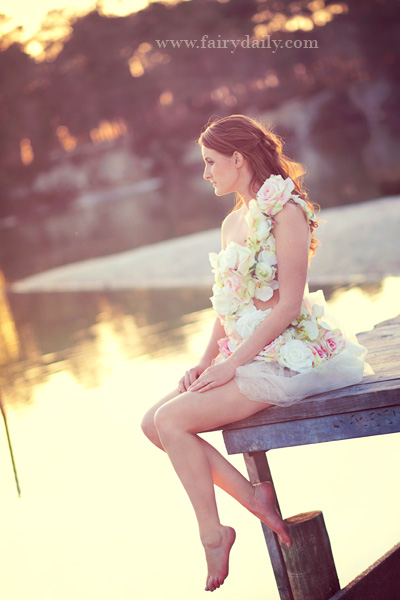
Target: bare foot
264	506
217	548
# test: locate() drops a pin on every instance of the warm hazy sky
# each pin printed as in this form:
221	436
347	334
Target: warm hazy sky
30	13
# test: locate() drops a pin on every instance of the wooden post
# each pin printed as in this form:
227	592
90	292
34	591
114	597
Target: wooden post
309	561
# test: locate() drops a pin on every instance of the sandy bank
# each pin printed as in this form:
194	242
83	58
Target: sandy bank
359	243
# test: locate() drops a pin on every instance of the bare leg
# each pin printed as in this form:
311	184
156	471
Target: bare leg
177	422
259	499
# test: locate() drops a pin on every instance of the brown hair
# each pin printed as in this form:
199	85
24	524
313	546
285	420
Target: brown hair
261	148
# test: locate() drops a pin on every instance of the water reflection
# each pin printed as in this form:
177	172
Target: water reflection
102	514
87	333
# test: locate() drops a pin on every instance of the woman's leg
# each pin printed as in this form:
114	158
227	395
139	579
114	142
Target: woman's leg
259	499
177	421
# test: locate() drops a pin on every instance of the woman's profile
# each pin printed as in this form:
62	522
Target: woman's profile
272	342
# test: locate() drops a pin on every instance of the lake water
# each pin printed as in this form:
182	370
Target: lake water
102	514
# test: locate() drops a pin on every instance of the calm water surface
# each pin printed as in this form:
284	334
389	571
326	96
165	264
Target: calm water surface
102	514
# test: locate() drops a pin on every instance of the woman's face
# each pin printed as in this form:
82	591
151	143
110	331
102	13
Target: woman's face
221	170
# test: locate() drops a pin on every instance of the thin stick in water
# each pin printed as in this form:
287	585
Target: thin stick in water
3	412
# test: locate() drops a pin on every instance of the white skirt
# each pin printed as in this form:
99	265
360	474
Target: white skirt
272	383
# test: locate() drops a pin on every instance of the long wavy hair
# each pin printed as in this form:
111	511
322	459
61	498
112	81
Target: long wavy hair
263	150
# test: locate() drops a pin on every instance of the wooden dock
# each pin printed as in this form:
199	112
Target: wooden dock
306	571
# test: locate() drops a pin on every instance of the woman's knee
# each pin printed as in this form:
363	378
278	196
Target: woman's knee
148	426
164	420
148	422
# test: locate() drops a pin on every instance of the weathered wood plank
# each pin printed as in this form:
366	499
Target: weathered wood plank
381	581
378	394
328	428
376	391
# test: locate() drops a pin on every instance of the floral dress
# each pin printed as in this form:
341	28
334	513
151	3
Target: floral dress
312	355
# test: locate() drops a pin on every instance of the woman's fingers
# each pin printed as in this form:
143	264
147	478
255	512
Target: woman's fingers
187	380
202	384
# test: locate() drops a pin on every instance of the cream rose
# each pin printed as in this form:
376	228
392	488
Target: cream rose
271	351
236	257
296	355
241	288
265	271
254	216
213	258
223	301
249	320
274	193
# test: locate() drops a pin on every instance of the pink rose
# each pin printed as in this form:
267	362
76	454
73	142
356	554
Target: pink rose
319	353
224	347
333	342
274	193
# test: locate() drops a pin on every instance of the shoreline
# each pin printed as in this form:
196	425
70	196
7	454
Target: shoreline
359	245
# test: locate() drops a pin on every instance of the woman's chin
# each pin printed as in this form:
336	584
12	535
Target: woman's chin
219	192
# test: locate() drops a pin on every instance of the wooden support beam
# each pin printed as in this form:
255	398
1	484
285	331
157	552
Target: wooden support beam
309	561
258	470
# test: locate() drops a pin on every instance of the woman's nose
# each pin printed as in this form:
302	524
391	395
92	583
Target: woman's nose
206	174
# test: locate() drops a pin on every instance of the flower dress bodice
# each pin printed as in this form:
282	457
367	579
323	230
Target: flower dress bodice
245	273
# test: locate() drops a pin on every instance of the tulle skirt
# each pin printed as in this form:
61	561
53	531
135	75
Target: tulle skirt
272	383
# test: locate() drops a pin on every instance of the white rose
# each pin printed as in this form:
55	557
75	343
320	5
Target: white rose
249	320
296	356
223	301
263	228
213	258
245	259
265	271
227	258
254	214
237	257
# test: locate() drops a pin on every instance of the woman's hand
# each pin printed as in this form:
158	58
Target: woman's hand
190	377
213	377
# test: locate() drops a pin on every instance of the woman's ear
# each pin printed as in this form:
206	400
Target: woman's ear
238	159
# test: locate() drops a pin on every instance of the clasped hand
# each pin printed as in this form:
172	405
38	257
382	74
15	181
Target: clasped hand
213	377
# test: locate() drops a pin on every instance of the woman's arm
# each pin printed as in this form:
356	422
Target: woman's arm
212	349
211	352
291	241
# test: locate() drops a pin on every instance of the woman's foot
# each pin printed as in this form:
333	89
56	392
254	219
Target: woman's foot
217	547
264	506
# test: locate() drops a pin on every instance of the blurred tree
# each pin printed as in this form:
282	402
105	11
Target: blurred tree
102	68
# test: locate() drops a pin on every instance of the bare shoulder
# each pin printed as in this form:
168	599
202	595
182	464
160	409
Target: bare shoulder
230	226
292	215
231	219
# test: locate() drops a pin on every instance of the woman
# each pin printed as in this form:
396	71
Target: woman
270	343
